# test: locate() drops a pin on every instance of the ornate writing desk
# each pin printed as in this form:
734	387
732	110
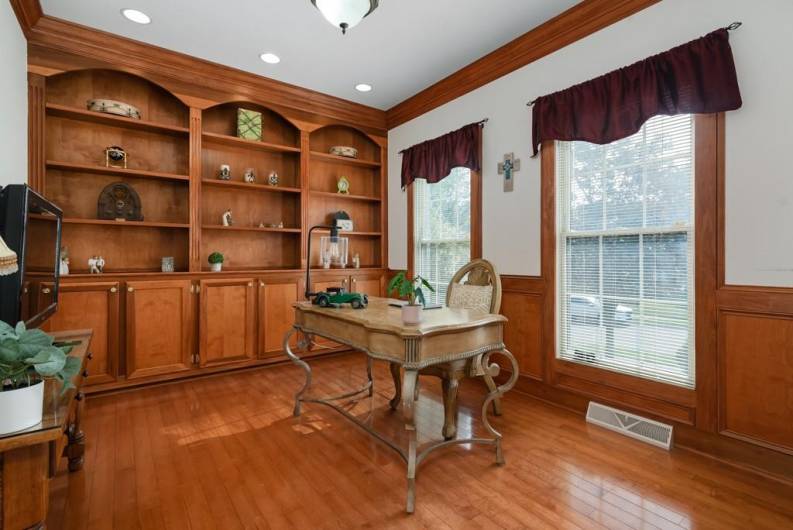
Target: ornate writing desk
446	335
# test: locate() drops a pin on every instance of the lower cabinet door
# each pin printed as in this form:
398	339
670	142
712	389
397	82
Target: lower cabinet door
93	306
160	324
228	321
369	284
319	286
276	315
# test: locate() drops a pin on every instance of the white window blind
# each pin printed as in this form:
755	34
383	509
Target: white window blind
442	230
625	252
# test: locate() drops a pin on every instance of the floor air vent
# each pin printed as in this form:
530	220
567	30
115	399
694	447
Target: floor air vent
649	431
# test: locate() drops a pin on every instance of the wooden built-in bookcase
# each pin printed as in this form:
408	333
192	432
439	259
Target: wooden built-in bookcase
183	199
151	326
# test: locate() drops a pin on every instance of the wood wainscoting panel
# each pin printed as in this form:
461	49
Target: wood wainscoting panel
227	326
160	323
756	370
523	332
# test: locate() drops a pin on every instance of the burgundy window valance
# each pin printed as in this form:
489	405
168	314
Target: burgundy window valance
433	160
697	77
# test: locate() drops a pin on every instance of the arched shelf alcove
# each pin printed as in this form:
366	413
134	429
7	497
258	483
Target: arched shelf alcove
266	230
157	167
363	200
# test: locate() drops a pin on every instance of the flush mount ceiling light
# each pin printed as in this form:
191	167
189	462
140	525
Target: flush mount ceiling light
363	87
139	17
270	58
345	14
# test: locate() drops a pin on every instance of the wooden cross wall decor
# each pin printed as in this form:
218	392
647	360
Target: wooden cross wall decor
506	168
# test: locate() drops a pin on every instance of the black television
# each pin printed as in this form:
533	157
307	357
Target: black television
31	226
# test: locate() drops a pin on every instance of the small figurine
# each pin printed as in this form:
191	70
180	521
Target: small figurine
96	265
225	172
249	176
272	178
115	156
227	220
356	261
343	185
63	269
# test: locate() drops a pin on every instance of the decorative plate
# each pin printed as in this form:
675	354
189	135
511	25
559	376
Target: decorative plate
109	106
343	150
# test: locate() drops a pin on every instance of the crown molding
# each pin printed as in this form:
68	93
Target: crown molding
54	43
28	13
578	22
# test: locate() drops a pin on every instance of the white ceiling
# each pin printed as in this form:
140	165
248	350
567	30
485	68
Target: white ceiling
402	48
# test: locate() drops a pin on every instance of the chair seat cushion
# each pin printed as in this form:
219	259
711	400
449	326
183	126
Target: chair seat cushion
471	297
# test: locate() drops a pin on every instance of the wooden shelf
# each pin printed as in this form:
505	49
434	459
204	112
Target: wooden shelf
245	185
108	222
99	170
345	196
252	229
325	157
62	111
343	233
233	141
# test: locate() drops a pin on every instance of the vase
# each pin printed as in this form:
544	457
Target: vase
21	408
216	267
167	264
411	314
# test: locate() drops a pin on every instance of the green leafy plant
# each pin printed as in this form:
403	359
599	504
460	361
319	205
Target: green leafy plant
410	288
27	356
216	257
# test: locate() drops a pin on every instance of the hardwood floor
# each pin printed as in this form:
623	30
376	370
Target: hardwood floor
225	452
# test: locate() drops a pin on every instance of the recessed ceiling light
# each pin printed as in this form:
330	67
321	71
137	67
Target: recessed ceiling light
270	58
136	16
363	87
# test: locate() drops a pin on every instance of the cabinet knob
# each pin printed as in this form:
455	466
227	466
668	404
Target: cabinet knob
261	284
79	396
354	280
85	373
250	284
90	355
130	289
46	290
113	289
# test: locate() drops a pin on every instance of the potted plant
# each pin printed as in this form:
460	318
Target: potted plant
216	261
412	289
27	357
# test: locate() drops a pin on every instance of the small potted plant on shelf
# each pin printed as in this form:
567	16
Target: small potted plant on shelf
216	261
27	357
413	290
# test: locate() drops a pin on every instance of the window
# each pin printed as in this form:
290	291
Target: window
625	252
442	230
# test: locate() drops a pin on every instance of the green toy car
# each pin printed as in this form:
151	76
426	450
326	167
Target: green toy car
337	296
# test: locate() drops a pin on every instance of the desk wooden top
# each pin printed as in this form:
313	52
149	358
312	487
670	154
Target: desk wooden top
445	334
380	316
57	404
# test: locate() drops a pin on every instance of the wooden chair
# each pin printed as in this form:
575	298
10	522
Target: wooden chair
479	274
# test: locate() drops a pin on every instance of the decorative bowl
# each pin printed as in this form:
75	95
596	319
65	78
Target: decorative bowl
109	106
343	150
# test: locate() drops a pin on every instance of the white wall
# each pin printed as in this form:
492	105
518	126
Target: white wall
759	194
13	99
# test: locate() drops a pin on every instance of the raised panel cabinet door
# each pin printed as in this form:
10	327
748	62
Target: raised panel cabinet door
159	325
369	284
276	315
93	306
228	321
319	286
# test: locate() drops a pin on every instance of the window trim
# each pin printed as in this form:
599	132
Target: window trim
708	182
476	219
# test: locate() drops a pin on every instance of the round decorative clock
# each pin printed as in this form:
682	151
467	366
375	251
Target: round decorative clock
343	185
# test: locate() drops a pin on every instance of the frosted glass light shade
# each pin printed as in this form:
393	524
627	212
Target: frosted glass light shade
345	13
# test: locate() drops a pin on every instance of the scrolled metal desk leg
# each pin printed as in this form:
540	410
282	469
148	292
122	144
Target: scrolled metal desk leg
408	412
369	362
497	393
302	364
